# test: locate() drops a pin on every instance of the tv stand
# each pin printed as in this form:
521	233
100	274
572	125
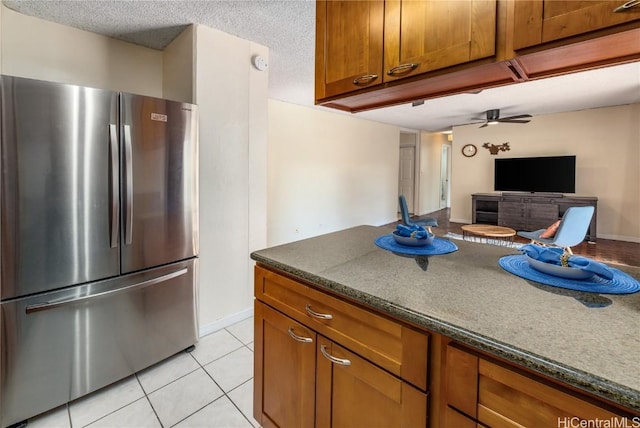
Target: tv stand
528	211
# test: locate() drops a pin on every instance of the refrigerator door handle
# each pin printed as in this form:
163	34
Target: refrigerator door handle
128	162
115	200
56	304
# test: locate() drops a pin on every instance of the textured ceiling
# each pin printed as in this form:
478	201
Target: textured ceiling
287	28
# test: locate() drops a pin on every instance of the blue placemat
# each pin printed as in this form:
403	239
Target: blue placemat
439	246
621	283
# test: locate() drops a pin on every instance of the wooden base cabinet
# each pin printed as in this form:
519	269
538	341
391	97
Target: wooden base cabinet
321	361
284	375
483	392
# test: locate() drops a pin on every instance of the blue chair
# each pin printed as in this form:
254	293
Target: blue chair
427	223
571	231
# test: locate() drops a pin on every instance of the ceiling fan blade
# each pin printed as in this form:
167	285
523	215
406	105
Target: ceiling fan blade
485	124
514	120
520	116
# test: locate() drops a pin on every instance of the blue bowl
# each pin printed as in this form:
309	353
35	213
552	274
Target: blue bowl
413	242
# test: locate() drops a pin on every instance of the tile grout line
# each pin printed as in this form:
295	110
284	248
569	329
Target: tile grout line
225	393
236	405
200	366
149	401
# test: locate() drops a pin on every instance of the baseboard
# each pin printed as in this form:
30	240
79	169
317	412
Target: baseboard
225	322
619	238
460	220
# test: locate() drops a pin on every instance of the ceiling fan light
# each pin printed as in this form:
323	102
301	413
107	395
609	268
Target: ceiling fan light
492	122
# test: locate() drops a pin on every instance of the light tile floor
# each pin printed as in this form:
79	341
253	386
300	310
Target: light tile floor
209	387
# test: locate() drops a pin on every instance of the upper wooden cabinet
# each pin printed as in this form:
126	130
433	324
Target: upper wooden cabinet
363	44
421	36
372	54
542	21
348	46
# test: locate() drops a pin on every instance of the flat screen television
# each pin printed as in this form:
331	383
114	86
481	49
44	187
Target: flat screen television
555	174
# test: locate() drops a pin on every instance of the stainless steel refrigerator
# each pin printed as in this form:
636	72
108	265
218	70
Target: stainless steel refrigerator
99	239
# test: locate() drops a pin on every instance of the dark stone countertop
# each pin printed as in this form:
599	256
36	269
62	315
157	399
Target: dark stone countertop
590	341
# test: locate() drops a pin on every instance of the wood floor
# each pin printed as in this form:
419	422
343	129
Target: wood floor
604	250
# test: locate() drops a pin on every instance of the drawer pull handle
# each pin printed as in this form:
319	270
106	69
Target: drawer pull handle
341	361
628	5
299	338
317	315
402	69
365	80
36	307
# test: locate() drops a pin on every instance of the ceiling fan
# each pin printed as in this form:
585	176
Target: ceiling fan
493	118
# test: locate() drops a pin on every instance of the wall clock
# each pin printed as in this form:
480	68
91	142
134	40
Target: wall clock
469	150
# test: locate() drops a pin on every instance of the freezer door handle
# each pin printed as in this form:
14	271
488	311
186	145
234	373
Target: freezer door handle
128	164
115	200
63	302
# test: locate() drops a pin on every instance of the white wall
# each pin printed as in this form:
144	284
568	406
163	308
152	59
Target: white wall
232	97
604	140
39	49
2	8
328	172
178	72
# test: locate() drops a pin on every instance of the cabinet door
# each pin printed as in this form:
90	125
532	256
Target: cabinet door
537	21
512	214
421	36
352	392
453	419
541	216
284	370
348	46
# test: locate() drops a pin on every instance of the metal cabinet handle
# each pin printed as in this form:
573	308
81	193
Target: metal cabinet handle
628	5
402	69
365	80
299	338
316	314
341	361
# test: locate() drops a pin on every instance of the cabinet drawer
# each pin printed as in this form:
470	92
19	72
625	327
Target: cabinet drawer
497	394
391	345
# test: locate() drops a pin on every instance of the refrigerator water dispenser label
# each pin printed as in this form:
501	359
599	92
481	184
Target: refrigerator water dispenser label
159	117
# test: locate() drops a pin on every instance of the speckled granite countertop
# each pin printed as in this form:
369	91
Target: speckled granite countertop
591	341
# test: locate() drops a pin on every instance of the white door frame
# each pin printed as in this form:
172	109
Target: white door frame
413	207
445	176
